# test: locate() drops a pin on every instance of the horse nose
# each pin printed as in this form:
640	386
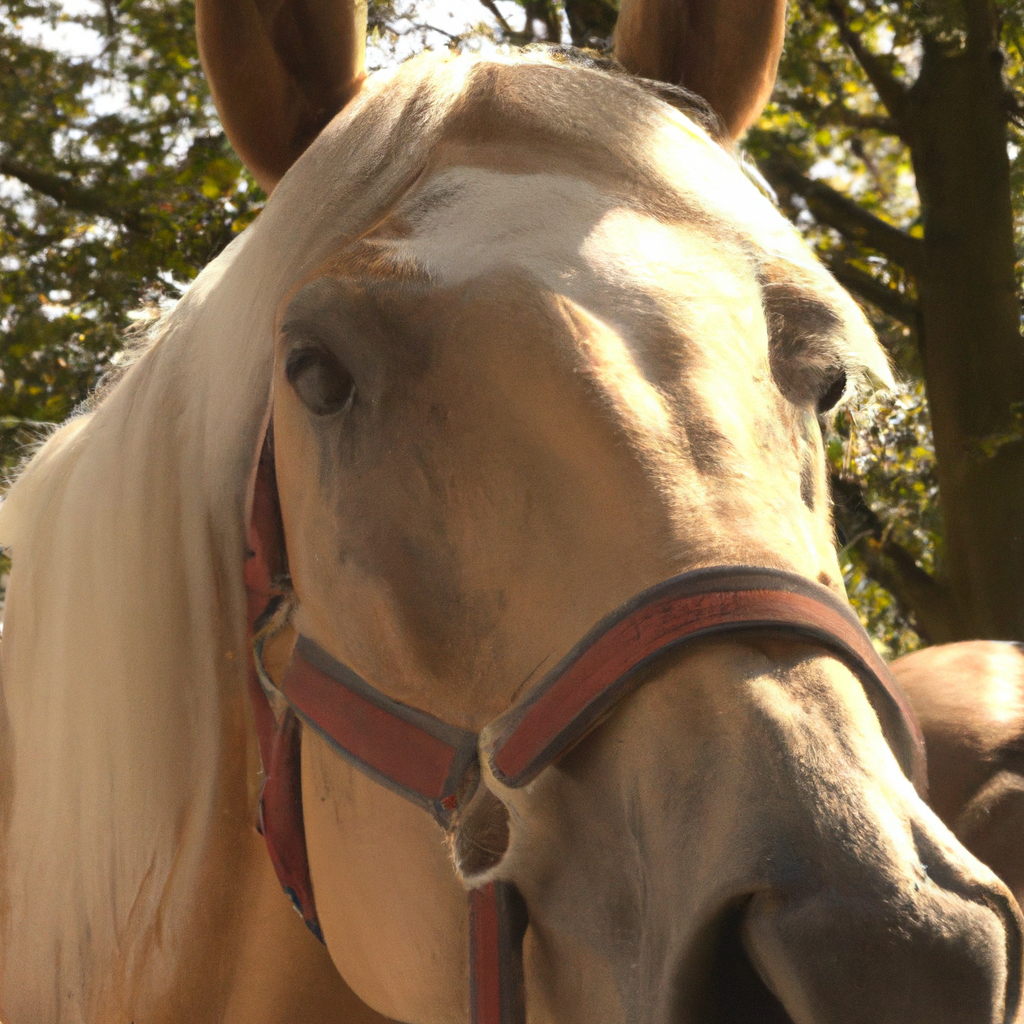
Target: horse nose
941	944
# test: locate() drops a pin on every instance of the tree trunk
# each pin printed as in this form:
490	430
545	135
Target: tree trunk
954	118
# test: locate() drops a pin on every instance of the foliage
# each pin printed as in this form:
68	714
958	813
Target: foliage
882	445
117	186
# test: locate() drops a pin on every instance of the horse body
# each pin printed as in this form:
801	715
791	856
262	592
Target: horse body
969	698
533	343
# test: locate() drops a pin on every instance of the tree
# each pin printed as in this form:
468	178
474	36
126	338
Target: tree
875	97
107	208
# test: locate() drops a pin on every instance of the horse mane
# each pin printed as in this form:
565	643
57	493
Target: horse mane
123	644
125	649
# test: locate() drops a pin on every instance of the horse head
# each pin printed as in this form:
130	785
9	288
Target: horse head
566	353
519	339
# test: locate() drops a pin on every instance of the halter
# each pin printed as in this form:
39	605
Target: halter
425	759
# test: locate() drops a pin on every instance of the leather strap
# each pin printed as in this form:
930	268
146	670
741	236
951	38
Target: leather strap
717	601
409	751
425	759
497	924
278	734
413	754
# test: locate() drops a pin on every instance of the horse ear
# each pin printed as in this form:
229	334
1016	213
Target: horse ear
279	70
724	50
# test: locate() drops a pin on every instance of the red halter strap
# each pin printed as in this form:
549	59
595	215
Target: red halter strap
425	759
407	750
721	600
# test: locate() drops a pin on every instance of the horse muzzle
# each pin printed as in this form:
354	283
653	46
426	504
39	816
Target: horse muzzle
945	950
770	864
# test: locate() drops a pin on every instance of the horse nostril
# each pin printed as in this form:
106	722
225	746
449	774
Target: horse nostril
480	834
724	986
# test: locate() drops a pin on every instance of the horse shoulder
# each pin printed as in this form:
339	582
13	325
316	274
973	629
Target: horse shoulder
969	698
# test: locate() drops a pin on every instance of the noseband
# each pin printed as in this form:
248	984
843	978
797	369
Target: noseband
426	760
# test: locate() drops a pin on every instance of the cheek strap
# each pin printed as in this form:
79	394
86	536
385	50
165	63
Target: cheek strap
278	731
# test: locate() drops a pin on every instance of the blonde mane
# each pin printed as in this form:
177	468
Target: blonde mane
124	640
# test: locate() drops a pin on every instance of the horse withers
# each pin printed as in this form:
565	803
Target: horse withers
514	341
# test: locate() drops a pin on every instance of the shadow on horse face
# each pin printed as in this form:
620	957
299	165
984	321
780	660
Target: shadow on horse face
524	396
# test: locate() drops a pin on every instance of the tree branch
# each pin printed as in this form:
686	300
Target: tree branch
838	113
890	91
423	26
65	192
847	217
917	593
546	13
505	27
1014	106
889	300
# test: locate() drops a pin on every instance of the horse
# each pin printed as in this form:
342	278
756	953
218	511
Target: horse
969	699
515	348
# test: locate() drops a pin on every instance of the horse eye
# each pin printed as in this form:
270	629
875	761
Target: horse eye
321	382
832	393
